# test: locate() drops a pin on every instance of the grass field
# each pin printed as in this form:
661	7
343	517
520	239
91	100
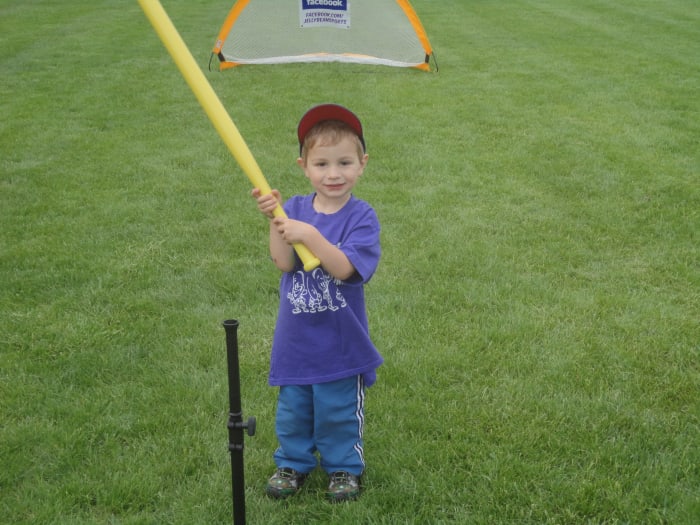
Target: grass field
537	304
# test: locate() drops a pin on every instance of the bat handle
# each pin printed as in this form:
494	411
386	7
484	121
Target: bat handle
309	260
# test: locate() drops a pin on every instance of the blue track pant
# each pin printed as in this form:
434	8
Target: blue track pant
327	418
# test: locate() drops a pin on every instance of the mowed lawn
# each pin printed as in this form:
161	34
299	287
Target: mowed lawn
537	304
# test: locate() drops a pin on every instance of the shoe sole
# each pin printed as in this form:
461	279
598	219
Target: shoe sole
280	494
339	498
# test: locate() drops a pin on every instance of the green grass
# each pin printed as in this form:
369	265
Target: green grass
537	304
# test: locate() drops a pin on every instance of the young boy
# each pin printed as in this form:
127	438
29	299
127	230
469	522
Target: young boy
322	356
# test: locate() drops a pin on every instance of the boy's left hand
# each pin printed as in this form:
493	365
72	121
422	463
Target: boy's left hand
293	231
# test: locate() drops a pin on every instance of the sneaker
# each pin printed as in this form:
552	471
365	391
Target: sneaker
343	486
285	482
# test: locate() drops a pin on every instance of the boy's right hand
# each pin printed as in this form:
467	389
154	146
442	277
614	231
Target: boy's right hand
267	203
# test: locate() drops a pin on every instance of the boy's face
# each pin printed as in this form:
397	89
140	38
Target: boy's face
333	170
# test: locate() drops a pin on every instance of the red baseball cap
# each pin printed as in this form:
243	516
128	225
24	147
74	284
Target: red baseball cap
328	112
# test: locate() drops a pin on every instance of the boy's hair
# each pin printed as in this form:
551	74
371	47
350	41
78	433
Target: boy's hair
330	133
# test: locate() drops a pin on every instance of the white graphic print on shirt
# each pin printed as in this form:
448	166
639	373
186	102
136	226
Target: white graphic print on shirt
316	292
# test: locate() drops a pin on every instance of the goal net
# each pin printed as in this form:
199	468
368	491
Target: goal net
381	32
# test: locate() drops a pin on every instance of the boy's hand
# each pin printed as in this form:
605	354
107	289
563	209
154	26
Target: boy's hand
293	231
267	203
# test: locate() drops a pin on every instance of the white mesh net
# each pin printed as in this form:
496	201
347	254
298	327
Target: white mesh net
365	31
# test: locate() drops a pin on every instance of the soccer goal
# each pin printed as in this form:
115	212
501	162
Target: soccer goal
379	32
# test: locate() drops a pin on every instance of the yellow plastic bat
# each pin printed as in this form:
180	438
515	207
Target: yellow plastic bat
214	109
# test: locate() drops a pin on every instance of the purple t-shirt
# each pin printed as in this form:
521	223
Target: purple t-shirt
322	333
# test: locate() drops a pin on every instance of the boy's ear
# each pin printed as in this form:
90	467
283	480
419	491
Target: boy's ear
300	162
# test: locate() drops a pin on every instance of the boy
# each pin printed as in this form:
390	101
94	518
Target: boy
322	357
